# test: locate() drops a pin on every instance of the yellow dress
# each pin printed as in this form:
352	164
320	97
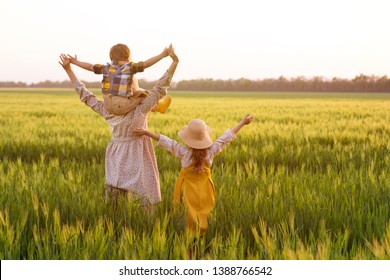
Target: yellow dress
197	191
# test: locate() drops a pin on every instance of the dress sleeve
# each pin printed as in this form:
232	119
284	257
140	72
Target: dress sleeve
158	91
172	146
221	142
89	99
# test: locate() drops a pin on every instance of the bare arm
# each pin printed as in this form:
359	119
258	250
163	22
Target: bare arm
142	132
153	60
245	120
85	65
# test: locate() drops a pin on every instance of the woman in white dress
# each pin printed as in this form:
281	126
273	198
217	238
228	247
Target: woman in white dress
130	162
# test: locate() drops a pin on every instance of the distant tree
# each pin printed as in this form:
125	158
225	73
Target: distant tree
12	84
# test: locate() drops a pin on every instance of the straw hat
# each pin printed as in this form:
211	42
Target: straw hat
196	134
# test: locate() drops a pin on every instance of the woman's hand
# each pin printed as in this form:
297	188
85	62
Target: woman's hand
171	52
65	61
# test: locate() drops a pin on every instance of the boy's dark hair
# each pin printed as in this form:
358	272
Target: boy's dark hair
120	52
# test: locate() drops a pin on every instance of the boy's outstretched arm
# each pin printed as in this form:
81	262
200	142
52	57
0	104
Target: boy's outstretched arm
245	120
142	132
85	65
153	60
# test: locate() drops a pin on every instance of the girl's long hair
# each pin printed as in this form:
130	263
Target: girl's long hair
198	157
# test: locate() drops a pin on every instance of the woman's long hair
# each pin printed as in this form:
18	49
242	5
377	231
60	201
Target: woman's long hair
198	157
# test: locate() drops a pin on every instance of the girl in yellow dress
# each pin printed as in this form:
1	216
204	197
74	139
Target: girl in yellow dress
194	183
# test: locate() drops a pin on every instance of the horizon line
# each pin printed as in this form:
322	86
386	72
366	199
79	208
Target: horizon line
291	78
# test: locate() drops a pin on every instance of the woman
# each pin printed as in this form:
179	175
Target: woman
130	162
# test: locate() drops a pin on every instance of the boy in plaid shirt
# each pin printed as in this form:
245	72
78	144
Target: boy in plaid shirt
121	92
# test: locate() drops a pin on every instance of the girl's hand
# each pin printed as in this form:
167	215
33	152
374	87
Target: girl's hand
247	119
139	132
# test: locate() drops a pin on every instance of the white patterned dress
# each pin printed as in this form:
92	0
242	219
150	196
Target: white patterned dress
130	162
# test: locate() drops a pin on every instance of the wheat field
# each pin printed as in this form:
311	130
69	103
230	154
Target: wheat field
308	179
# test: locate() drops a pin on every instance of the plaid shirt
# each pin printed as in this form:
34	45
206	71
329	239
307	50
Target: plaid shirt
121	73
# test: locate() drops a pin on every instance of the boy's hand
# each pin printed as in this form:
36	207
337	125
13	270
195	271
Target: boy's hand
65	61
165	52
139	132
72	59
247	119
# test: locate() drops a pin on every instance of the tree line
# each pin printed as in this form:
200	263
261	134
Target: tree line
361	83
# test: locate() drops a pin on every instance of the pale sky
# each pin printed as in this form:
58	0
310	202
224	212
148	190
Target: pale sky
221	39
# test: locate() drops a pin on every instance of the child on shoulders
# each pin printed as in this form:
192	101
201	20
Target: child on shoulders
120	89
